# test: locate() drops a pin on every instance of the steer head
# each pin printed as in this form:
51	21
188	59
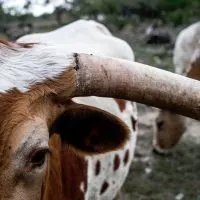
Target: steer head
37	83
33	112
27	127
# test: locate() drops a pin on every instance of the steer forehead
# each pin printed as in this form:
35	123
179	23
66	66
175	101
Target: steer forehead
27	132
11	115
20	121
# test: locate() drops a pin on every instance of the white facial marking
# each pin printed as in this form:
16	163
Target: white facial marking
23	67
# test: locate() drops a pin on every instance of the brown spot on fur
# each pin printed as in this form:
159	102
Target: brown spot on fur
76	61
194	71
133	122
194	65
126	157
104	187
26	45
116	162
98	168
121	103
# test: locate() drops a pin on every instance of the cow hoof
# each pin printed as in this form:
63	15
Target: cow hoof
162	153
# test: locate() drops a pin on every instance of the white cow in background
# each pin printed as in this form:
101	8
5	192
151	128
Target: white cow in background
184	47
85	36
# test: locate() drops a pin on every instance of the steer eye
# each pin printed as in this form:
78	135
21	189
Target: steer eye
37	159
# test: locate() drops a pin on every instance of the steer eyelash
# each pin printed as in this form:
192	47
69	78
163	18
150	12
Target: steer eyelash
37	158
45	149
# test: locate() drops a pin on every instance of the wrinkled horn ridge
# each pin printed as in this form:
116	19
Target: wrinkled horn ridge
108	77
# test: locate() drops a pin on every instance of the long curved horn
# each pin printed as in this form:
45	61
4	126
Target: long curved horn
55	70
108	77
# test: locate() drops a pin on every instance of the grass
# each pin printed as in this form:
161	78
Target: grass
170	176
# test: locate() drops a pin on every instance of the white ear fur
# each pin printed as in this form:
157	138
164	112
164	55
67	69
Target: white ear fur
23	67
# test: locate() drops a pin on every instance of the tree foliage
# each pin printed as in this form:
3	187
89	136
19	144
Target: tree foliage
121	12
170	11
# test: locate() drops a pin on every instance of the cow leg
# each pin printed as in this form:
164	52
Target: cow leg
119	196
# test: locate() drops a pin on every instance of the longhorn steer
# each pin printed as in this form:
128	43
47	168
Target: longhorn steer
35	107
170	126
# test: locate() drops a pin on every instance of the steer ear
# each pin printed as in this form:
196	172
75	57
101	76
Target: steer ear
89	130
